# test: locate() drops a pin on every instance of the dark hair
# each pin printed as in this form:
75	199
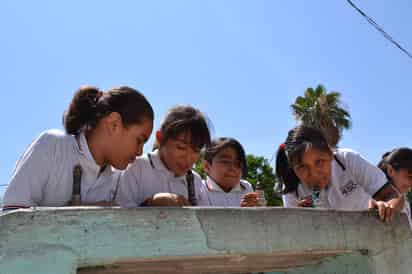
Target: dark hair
289	154
89	105
222	143
399	158
182	119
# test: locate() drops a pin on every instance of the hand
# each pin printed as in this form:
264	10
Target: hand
250	199
168	199
385	210
305	202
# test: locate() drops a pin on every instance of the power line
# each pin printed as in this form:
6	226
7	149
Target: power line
376	26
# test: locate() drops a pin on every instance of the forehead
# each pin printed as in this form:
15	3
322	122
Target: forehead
183	137
312	154
227	152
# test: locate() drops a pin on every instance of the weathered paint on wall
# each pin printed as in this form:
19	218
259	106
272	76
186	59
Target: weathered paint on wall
251	239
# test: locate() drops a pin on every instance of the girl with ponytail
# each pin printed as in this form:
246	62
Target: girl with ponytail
305	164
104	132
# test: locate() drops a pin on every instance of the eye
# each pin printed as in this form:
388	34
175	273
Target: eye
319	162
181	147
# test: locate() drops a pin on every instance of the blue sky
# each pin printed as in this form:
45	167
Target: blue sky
241	62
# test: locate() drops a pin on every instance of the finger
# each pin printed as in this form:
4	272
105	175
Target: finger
250	199
381	209
388	214
372	204
250	195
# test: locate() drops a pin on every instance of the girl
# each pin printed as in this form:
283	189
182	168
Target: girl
104	130
164	177
306	165
225	164
397	166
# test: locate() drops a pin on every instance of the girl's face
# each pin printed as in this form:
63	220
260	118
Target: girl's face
225	169
127	143
315	168
178	154
401	178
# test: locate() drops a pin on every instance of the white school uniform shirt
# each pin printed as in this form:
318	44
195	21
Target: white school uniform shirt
148	176
407	210
218	197
351	187
44	174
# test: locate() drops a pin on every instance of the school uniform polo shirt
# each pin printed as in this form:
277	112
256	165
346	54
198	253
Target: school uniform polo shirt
218	197
44	174
354	181
148	176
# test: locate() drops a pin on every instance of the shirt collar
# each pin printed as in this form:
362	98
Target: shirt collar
87	158
157	163
213	186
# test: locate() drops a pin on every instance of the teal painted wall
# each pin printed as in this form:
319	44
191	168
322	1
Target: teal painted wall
61	240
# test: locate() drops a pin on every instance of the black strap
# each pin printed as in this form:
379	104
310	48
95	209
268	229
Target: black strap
191	192
77	182
150	160
339	162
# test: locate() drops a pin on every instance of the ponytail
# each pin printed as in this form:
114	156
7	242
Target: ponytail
383	165
285	172
82	110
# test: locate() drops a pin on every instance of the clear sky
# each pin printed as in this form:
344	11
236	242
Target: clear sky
241	62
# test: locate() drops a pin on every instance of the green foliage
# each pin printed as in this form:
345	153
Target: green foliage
199	168
321	109
260	170
409	196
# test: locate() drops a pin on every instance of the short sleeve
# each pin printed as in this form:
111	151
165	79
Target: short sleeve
368	176
31	174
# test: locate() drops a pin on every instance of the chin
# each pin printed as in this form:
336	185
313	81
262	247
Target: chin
121	166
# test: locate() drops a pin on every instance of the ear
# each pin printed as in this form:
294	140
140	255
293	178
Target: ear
113	122
206	166
390	171
159	137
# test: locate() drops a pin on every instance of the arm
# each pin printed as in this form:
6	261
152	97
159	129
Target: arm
374	182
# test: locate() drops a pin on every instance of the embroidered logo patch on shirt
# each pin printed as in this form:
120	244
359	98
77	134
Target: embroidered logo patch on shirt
349	187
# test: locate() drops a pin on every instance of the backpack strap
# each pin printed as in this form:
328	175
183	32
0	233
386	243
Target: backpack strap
191	192
339	162
150	160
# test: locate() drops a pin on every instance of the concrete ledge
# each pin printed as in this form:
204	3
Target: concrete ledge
207	240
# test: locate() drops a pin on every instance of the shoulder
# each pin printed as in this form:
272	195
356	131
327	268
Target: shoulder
346	154
349	158
141	164
51	142
52	137
197	177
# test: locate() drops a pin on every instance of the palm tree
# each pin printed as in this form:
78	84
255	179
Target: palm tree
322	110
